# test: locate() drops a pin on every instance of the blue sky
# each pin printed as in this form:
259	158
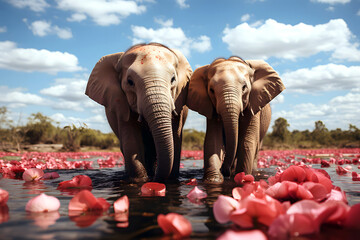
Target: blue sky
48	49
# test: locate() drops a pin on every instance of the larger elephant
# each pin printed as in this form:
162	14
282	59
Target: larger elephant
234	96
144	93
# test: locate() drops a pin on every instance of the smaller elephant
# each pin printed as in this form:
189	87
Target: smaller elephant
234	96
144	93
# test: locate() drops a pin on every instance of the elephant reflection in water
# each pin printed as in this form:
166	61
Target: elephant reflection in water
234	96
144	93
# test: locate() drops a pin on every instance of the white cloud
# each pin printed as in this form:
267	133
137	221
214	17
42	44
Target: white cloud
3	29
44	28
34	5
321	78
77	17
164	23
17	97
71	89
338	112
358	13
172	37
273	39
30	60
182	3
195	121
102	12
332	1
278	99
245	17
95	122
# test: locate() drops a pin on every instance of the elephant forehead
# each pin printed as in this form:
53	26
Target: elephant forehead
228	73
153	54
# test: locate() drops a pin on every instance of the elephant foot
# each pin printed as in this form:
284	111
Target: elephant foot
139	179
213	178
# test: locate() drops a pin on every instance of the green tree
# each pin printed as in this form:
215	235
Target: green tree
280	130
5	122
321	134
193	139
71	142
40	129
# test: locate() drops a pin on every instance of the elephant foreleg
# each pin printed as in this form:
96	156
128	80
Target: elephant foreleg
249	142
213	151
132	147
177	125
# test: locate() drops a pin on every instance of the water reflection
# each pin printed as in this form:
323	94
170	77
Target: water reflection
34	187
4	213
44	219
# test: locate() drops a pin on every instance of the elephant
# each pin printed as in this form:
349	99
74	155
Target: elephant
233	95
144	91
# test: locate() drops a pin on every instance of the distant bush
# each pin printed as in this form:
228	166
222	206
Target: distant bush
41	129
193	139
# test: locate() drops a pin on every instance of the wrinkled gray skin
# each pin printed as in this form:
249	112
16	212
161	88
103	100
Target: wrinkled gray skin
234	96
144	91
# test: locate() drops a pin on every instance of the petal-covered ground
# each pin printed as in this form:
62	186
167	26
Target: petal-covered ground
300	193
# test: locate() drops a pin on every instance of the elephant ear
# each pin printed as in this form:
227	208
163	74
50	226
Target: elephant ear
198	98
184	72
104	86
265	87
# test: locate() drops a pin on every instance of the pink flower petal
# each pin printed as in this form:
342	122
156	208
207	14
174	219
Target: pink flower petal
175	224
43	203
223	208
153	189
4	197
337	195
292	225
121	205
196	194
252	234
32	174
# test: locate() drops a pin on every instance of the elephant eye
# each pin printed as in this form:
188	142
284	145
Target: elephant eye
211	90
173	79
130	82
244	88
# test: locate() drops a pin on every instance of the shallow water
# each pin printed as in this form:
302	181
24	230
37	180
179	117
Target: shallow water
109	183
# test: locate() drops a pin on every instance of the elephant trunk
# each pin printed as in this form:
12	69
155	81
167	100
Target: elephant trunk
230	117
157	113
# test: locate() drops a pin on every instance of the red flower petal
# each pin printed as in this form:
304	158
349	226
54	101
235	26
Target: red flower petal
176	224
352	220
153	189
86	201
294	174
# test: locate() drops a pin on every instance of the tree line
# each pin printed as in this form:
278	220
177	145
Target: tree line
42	129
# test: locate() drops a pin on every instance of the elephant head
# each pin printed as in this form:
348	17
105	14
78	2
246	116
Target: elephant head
148	81
226	89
